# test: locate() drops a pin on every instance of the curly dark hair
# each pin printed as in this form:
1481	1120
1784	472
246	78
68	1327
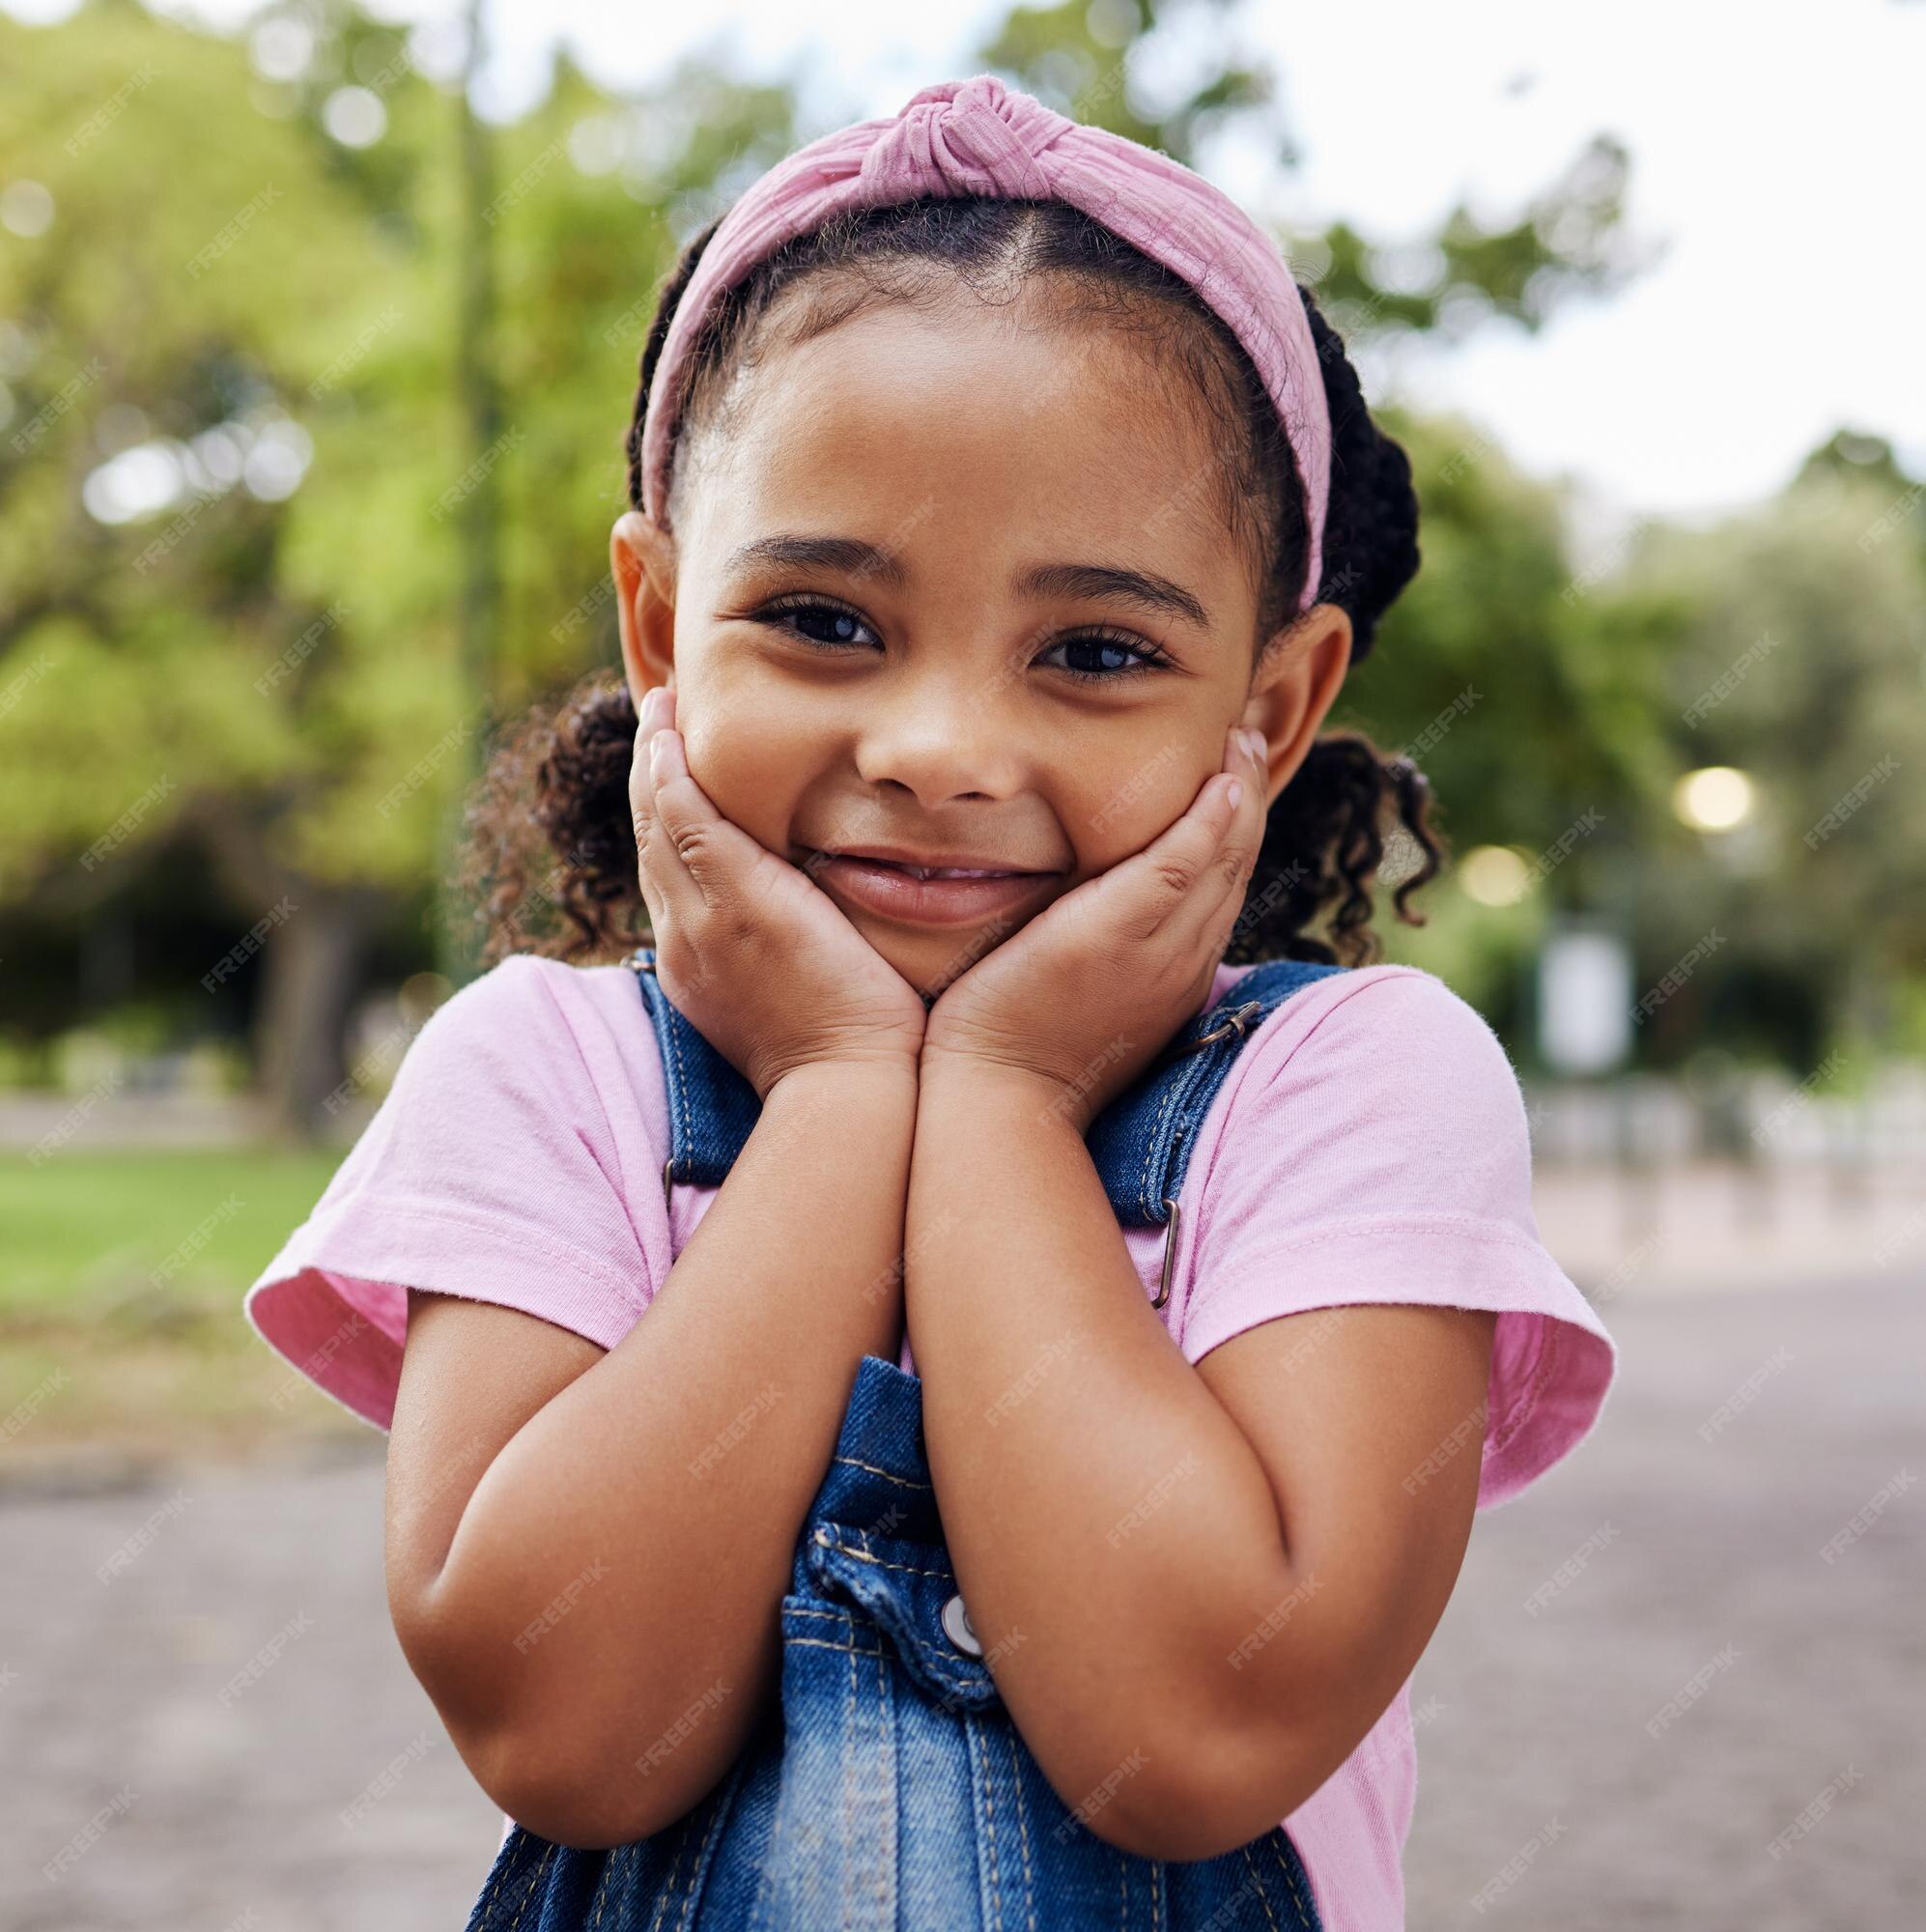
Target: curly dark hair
549	860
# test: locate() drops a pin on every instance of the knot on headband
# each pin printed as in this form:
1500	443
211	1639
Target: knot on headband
970	136
979	137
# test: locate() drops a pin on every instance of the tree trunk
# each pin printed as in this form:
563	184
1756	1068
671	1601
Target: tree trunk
311	972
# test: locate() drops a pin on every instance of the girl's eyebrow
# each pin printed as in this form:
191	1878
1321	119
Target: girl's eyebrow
851	556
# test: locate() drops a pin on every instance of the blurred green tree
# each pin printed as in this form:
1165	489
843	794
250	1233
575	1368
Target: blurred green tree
1792	649
238	625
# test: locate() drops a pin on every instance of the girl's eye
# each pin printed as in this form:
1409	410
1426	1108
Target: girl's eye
1098	656
1105	656
829	625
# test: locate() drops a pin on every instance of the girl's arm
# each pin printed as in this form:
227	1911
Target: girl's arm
586	1551
1198	1588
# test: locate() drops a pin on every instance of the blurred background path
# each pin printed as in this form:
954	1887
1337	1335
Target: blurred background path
1666	1565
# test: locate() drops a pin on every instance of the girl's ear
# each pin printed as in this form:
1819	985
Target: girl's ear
641	556
1297	682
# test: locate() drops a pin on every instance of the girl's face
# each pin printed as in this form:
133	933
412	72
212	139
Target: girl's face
957	583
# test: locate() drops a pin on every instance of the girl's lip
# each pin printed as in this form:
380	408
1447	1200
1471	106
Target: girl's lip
898	894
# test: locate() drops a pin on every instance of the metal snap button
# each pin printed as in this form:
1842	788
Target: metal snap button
959	1630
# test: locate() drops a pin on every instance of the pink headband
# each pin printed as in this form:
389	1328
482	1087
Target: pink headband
977	137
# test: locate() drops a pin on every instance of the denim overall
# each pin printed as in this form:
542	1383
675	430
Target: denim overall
892	1789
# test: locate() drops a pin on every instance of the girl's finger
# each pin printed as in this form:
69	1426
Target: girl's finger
1181	872
1252	762
1239	826
648	838
641	794
707	860
668	888
657	704
1248	758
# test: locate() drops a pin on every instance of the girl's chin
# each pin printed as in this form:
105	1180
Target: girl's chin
930	964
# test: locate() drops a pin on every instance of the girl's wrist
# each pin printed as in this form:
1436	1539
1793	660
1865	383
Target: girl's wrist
946	1071
885	1076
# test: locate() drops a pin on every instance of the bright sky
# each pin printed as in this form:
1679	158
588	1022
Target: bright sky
1774	159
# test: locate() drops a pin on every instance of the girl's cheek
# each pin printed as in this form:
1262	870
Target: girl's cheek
751	775
1121	819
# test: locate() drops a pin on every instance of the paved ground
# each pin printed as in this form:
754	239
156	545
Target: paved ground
166	1788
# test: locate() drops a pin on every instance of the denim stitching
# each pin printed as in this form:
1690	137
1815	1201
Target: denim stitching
848	1766
520	1910
942	1664
981	1756
1304	1918
668	1884
848	1648
682	1093
857	1462
602	1890
885	1714
882	1562
722	1804
1023	1828
494	1884
1178	1091
1258	1884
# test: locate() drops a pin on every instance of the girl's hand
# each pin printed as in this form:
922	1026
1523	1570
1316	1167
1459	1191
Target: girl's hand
1085	997
760	959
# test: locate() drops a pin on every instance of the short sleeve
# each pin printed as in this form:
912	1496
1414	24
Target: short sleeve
490	1171
1378	1152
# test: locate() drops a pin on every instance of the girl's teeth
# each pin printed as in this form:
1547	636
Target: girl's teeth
940	872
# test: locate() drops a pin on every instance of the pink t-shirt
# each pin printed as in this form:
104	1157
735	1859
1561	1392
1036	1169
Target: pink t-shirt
1368	1144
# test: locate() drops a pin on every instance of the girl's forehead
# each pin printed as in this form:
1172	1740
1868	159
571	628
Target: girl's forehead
975	417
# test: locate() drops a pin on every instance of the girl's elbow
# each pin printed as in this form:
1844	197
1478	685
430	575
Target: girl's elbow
586	1801
1203	1799
558	1751
1174	1825
561	1805
540	1770
579	1779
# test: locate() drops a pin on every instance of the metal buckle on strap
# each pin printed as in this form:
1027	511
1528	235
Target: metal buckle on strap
1169	1249
1232	1022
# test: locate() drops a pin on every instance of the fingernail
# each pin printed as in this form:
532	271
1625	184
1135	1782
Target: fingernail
655	751
651	707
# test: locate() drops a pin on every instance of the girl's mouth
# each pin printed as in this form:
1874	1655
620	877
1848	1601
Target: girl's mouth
922	895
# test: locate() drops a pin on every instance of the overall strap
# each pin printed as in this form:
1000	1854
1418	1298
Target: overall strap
711	1107
1141	1143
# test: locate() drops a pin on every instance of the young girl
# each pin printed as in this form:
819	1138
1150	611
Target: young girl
1005	519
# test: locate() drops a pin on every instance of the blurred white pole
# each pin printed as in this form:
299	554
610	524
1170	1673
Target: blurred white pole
1584	1028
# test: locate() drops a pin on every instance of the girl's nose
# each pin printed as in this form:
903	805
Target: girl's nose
942	750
